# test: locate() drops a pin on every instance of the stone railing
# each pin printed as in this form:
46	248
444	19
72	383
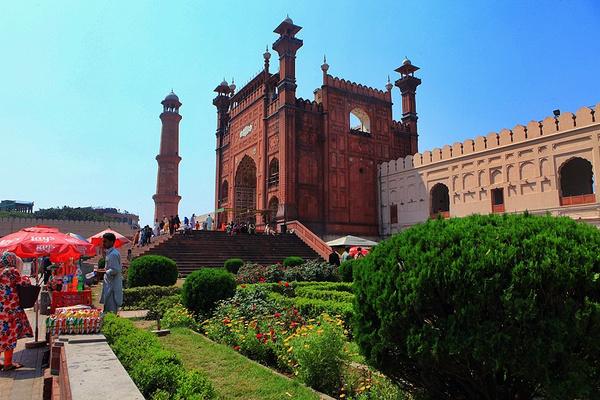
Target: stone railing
83	365
311	240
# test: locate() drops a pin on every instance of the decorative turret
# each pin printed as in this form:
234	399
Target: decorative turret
389	85
324	66
408	87
286	46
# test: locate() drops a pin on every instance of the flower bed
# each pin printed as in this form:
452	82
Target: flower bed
300	336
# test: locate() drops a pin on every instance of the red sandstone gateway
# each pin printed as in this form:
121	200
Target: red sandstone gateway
41	241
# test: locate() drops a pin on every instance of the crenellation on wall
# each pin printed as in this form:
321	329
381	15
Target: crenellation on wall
357	88
534	129
521	165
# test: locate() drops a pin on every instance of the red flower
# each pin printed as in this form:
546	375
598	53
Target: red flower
226	320
259	336
262	279
243	285
286	284
236	348
294	324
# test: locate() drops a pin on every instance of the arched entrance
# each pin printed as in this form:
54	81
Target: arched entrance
245	190
576	182
440	201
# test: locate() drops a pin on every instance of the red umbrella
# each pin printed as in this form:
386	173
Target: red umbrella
41	241
96	240
354	251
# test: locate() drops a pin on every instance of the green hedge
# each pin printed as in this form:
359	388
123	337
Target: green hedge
147	297
312	308
314	293
233	265
152	270
158	373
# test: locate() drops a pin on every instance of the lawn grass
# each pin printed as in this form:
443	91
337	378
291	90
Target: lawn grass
233	375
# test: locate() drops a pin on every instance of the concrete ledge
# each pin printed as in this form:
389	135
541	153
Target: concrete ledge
95	373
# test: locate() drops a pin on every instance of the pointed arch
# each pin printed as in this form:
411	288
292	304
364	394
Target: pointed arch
359	120
245	189
439	197
576	182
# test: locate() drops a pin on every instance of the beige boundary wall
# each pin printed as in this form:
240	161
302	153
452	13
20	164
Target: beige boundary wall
83	228
523	161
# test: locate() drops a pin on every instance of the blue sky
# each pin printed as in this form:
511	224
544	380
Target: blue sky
81	81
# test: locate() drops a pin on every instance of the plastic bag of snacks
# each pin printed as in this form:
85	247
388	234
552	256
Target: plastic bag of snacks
74	320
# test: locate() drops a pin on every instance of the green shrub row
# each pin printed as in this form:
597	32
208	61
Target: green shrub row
312	308
158	373
293	261
313	293
147	297
337	286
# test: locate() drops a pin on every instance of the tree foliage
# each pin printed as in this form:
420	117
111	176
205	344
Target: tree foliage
485	307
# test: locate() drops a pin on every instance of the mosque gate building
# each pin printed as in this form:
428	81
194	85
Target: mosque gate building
281	158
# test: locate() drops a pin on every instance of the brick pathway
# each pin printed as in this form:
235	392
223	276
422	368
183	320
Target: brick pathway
25	383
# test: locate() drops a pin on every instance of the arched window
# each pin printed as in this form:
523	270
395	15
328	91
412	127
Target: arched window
224	191
576	182
359	121
440	201
273	179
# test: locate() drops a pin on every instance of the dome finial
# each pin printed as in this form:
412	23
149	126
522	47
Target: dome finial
324	66
267	54
389	85
406	61
232	86
288	19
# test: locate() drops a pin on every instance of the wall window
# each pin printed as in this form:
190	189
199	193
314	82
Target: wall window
273	179
576	182
498	200
359	121
393	213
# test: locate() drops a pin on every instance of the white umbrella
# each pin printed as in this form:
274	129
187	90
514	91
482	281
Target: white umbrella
351	241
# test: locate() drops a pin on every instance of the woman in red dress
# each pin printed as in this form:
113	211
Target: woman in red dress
13	321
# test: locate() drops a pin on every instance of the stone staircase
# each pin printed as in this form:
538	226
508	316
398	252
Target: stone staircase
136	252
199	249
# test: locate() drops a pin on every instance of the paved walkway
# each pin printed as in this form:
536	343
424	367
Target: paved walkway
25	383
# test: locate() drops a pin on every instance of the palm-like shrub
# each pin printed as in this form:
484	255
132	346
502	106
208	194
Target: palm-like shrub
485	307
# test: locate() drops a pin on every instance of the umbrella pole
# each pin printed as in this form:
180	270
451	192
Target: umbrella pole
36	343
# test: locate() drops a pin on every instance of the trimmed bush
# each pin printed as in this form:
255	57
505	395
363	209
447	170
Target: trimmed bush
314	293
159	374
204	287
498	306
233	265
177	316
152	270
312	308
254	273
147	297
346	268
293	261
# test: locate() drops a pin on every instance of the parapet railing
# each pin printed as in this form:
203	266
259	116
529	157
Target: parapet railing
312	240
